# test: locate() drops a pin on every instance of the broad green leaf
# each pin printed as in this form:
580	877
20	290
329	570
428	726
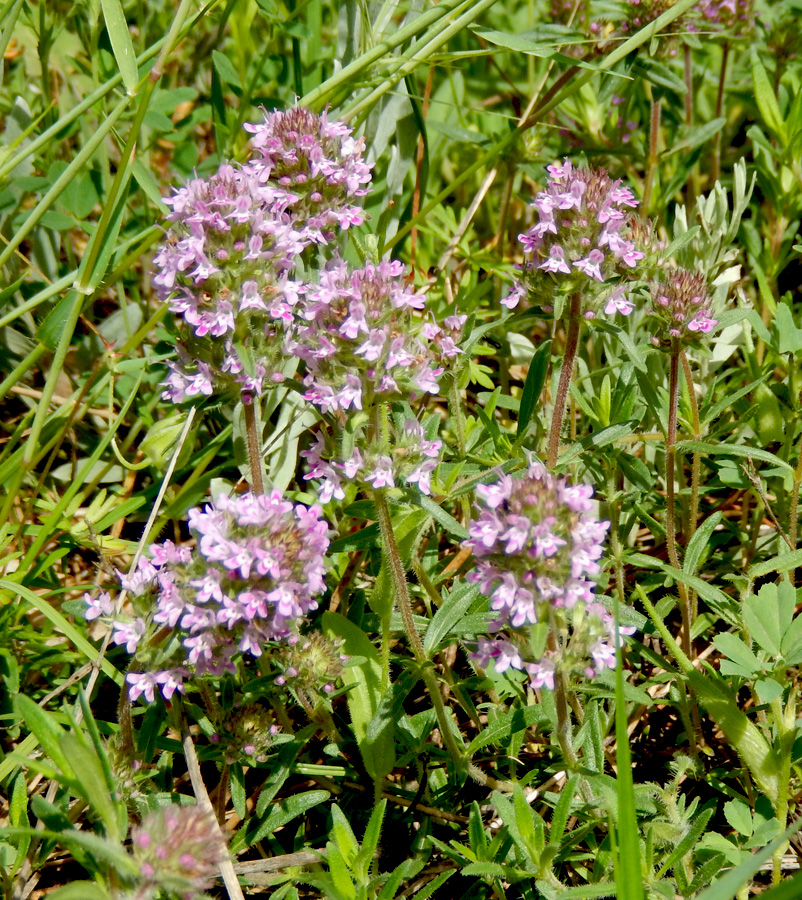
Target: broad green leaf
284	812
225	69
768	615
733	881
535	379
739	816
732	450
790	335
47	731
121	43
455	605
365	695
343	836
437	512
80	890
783	563
89	774
747	664
515	42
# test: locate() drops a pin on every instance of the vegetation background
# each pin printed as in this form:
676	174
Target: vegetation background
685	779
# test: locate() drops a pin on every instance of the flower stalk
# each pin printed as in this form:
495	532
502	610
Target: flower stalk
566	374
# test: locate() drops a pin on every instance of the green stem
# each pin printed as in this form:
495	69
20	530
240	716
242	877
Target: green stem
696	474
402	598
689	714
654	135
566	373
458	417
715	169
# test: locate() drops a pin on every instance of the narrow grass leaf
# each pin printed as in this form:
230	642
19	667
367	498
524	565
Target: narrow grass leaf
121	43
628	873
69	631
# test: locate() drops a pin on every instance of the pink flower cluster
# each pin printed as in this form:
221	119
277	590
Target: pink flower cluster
582	241
363	338
409	457
234	240
682	306
319	161
177	849
255	573
537	543
224	271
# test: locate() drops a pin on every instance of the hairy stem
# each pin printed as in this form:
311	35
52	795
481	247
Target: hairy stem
254	445
793	525
715	168
654	135
566	373
671	541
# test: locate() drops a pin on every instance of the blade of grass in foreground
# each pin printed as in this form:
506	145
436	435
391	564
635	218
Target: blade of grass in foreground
628	872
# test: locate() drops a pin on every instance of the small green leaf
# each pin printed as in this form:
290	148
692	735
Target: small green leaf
767	615
698	542
506	724
225	69
739	816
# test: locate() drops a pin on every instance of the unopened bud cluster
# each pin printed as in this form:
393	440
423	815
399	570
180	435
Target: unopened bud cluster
319	161
245	733
178	850
681	306
312	661
537	543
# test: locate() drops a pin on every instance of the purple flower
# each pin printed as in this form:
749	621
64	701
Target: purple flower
96	606
584	238
257	570
537	544
319	162
362	337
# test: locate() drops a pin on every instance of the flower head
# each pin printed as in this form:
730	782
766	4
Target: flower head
538	543
582	242
363	338
178	849
319	161
256	571
224	271
682	307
